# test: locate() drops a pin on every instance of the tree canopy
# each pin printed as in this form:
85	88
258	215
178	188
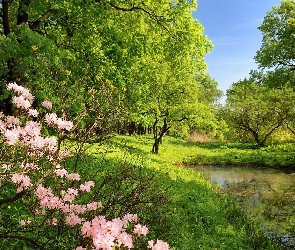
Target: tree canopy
104	62
256	110
276	54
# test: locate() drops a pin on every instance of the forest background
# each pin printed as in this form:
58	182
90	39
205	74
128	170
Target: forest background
129	68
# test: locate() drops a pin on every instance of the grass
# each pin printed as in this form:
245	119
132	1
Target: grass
194	214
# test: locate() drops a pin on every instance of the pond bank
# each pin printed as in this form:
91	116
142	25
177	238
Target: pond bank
267	195
200	216
279	156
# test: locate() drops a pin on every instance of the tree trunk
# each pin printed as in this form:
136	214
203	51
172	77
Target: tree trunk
155	149
159	138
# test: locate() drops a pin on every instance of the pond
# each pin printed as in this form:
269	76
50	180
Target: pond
267	196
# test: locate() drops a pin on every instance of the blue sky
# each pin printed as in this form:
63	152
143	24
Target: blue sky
232	27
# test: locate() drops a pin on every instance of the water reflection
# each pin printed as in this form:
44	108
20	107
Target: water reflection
267	195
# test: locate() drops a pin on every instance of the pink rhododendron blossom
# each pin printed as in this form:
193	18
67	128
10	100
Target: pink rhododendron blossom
33	112
73	177
20	90
21	102
62	200
70	194
105	241
160	245
62	124
125	240
11	136
129	218
80	248
52	119
87	186
73	219
61	172
47	104
54	221
21	179
24	222
12	121
140	230
93	205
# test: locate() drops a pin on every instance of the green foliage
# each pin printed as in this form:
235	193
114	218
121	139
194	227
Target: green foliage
278	30
273	155
105	62
256	110
198	215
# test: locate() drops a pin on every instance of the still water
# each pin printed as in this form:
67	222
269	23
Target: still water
267	195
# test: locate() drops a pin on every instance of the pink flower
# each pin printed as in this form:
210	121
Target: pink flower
20	90
12	120
33	112
54	222
73	177
125	240
11	136
47	104
21	179
80	248
73	220
70	195
87	186
21	102
61	172
24	222
160	245
93	205
51	119
129	218
140	230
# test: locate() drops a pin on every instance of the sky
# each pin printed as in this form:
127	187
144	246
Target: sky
232	26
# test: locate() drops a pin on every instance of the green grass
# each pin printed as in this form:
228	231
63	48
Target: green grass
194	214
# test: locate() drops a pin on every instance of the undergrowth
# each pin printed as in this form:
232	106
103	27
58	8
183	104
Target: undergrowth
176	202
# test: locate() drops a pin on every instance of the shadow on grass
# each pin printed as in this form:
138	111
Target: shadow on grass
186	214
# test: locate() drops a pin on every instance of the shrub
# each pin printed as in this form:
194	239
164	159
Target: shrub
42	203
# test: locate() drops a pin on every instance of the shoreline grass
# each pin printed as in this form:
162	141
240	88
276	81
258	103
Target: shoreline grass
196	215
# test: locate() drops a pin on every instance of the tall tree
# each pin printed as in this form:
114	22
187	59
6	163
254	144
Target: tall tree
95	57
277	53
257	109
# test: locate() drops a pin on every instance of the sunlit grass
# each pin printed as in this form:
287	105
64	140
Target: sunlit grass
198	215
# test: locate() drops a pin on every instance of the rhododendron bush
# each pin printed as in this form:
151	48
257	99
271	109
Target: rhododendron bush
41	200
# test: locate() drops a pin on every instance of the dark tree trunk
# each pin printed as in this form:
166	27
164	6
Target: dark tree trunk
159	137
155	149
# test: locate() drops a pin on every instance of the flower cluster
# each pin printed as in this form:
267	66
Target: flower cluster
64	198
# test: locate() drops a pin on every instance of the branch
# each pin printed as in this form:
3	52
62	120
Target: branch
14	198
32	241
182	119
35	24
153	16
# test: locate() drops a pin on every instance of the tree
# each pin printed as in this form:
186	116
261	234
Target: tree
276	55
209	92
256	109
277	50
106	51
